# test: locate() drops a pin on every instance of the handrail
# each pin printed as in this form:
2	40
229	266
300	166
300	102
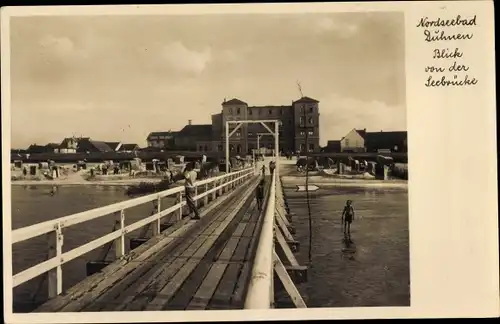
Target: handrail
57	258
261	281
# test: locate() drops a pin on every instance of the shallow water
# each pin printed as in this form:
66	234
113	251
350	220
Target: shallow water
377	271
376	275
32	204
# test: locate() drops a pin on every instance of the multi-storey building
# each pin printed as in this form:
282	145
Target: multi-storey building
296	119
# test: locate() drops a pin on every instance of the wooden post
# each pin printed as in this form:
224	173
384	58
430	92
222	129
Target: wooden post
205	201
55	243
214	194
179	199
120	242
196	200
156	224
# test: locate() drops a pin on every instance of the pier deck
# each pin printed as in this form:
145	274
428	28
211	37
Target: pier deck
202	264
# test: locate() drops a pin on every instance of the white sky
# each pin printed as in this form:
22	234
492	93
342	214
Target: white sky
117	78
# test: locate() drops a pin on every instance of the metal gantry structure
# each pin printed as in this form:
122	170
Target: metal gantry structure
263	122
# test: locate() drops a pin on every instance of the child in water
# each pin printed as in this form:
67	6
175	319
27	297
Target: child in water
347	218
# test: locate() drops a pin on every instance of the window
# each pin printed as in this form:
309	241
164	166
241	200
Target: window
310	133
250	112
231	147
231	111
310	120
289	122
270	146
311	147
311	109
302	133
270	111
238	134
206	148
250	134
238	148
347	142
301	120
200	148
301	147
219	147
302	109
281	112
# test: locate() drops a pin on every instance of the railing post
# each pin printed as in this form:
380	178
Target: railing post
196	201
55	242
214	194
156	224
120	241
205	201
179	199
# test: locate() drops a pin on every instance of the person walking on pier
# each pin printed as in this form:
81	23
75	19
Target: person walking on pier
263	170
190	177
347	218
259	194
272	166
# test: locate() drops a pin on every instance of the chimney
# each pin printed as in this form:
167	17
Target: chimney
190	122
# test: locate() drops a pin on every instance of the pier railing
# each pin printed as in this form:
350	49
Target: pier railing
54	228
275	232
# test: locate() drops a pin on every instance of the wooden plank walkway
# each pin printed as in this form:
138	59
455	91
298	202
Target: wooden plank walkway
198	265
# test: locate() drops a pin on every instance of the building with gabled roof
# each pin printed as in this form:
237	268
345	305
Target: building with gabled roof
162	140
395	141
129	147
115	146
86	145
354	141
189	137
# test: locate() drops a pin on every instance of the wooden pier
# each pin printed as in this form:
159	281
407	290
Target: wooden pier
226	260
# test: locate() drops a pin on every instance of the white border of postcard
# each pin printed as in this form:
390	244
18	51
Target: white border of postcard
452	186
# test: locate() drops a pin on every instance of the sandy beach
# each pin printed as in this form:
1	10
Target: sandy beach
321	181
61	182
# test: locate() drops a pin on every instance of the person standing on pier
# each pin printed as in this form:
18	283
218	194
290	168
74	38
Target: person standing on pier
259	194
347	218
190	177
272	166
263	170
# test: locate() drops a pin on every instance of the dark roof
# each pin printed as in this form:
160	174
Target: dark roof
101	146
113	145
129	147
361	132
169	133
52	145
201	131
35	147
84	144
385	140
234	101
306	100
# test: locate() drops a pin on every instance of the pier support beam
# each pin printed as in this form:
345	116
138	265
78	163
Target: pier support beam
287	282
